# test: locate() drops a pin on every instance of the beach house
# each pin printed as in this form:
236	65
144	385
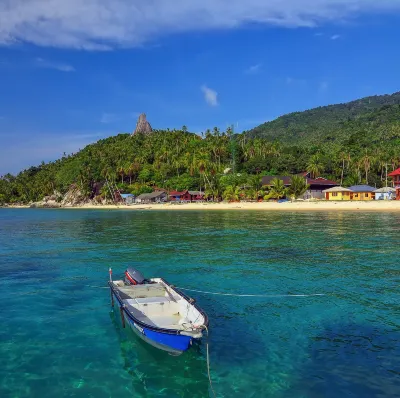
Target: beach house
396	181
385	193
362	192
316	185
337	193
128	198
153	197
179	196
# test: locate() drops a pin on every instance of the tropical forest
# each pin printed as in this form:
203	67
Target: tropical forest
353	143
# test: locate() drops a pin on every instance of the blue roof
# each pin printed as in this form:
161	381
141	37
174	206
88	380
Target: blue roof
127	195
362	188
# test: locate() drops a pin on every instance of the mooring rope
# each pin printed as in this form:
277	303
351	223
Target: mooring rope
208	362
251	295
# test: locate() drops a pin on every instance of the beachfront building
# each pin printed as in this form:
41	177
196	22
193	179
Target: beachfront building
153	197
396	181
179	196
316	185
337	193
385	193
186	196
196	196
128	198
362	192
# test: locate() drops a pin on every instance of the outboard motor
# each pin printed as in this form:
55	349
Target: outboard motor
134	277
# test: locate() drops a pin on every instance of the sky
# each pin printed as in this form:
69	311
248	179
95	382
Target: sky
73	72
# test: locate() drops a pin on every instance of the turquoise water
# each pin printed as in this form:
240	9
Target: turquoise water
59	337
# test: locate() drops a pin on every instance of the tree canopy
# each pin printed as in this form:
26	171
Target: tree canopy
351	143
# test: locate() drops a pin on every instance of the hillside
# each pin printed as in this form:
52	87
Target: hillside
375	116
349	143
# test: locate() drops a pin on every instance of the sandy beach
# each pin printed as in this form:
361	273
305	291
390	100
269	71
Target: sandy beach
264	206
384	206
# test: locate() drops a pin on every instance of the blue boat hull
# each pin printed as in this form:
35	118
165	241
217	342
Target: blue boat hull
174	344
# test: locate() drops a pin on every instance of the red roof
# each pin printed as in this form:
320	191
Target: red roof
395	173
177	193
320	181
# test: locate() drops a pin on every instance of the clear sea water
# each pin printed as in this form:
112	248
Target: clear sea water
60	338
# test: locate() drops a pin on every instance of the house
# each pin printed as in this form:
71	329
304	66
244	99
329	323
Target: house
196	196
362	192
396	181
176	196
316	185
128	198
337	193
153	197
385	193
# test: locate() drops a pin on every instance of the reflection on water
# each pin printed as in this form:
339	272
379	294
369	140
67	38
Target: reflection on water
59	336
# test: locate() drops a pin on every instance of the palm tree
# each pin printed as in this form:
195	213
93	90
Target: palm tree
231	194
277	190
298	186
315	166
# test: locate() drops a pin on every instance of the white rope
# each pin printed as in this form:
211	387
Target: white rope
208	362
251	295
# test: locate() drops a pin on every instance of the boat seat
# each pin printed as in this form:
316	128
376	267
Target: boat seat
142	291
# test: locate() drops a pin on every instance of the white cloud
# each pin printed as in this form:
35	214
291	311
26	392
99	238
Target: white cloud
335	37
210	95
42	63
105	24
252	70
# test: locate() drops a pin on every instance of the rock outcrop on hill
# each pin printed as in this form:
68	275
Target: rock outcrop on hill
142	125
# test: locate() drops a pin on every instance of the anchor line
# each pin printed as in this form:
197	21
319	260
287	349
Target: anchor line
208	362
251	295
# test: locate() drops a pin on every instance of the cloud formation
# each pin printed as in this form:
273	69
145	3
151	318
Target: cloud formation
252	70
210	95
106	24
41	63
335	37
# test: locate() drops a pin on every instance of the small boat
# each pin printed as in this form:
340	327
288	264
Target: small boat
158	312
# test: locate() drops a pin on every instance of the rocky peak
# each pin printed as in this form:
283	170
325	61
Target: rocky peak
142	125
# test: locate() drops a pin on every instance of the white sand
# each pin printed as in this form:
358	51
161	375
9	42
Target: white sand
264	206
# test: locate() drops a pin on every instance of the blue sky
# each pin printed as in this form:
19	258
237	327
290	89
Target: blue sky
74	72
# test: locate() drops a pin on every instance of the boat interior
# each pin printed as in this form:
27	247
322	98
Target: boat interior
156	304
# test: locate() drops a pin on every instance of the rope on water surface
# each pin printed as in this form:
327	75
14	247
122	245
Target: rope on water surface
251	295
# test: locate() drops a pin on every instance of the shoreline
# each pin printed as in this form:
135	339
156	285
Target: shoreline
374	206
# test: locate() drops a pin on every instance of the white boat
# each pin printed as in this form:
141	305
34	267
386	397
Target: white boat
158	312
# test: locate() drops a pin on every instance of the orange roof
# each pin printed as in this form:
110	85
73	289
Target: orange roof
395	173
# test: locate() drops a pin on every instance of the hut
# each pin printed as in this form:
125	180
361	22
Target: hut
396	181
196	196
316	186
153	197
337	193
128	198
183	196
362	192
386	193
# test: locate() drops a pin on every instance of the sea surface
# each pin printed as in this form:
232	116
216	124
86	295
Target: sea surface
59	336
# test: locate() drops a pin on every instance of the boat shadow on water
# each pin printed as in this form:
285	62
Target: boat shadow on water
154	372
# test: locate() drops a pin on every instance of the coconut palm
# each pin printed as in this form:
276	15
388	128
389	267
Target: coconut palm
298	186
277	189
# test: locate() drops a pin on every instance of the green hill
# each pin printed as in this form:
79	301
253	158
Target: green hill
376	117
351	143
